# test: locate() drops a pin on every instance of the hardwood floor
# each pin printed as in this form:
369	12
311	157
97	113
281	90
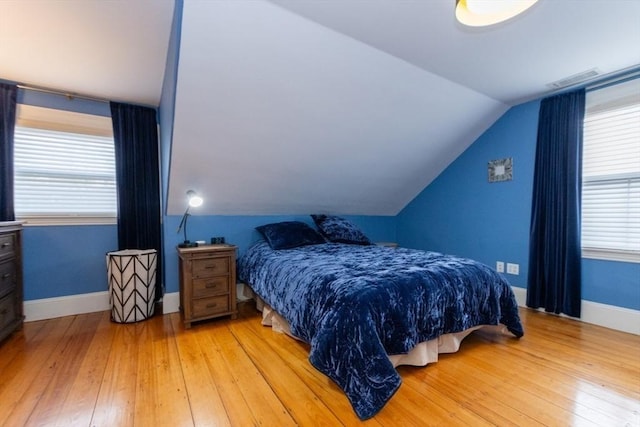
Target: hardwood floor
86	371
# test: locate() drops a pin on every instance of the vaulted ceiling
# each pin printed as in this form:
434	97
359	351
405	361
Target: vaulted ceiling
114	50
304	106
353	107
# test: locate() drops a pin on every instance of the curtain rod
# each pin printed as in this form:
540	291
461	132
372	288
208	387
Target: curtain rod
601	81
69	95
620	78
592	84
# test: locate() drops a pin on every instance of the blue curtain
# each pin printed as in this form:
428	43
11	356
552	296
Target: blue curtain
554	251
8	95
135	134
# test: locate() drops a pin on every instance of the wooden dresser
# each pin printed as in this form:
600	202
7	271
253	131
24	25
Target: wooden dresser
11	293
207	282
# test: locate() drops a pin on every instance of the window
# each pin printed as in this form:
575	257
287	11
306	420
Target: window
64	166
611	173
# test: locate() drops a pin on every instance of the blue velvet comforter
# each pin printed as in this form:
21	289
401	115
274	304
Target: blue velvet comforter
357	304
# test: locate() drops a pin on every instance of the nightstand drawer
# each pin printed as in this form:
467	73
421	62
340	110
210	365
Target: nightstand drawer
210	286
210	306
210	267
7	277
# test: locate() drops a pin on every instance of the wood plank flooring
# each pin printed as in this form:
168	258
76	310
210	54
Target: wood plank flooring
87	371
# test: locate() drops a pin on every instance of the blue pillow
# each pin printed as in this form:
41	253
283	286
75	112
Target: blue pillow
340	230
290	234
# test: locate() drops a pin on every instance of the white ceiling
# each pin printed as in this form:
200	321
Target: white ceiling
276	114
510	62
304	106
354	106
113	50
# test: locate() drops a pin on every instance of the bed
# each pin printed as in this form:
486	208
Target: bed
363	307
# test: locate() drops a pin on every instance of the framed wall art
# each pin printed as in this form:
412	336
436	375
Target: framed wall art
500	170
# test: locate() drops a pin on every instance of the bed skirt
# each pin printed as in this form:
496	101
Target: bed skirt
421	355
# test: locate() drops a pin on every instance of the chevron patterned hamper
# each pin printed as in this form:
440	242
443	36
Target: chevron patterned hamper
132	284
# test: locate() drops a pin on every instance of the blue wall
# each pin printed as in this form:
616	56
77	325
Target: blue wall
66	260
166	110
461	213
610	282
240	231
70	260
458	213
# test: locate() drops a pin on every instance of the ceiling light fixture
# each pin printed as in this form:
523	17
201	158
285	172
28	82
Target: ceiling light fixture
480	13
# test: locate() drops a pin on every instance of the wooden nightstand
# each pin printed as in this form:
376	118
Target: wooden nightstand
207	282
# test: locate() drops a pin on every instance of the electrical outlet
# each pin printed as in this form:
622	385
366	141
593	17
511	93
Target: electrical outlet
500	266
513	268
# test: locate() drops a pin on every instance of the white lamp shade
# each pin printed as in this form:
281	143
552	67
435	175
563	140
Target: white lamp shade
194	199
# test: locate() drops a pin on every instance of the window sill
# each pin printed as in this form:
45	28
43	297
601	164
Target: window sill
38	221
611	255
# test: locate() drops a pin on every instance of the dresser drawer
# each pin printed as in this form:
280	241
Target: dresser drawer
7	245
210	286
7	277
8	312
210	267
11	292
210	306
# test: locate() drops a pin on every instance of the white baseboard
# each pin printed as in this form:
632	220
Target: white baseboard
609	316
241	296
521	295
171	302
50	308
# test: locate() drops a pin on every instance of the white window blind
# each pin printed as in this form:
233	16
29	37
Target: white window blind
64	167
611	173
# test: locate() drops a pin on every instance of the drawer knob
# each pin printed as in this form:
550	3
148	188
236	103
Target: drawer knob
210	285
6	276
212	305
5	245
